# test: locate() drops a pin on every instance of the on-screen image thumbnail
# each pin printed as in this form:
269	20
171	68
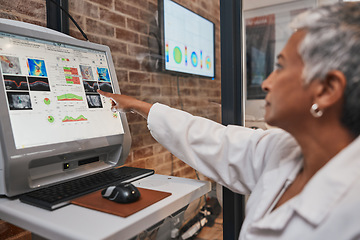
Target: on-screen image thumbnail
106	87
103	74
39	84
36	67
15	82
10	65
86	72
94	100
90	86
19	100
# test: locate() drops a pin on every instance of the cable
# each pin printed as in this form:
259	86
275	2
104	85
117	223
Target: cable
72	19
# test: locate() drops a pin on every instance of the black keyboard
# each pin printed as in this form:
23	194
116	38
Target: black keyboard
59	195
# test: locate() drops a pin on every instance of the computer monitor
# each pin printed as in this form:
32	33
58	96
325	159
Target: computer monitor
187	41
54	126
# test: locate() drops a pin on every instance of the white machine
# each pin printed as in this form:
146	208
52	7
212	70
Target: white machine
54	126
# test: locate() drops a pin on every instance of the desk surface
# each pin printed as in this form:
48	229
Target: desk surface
75	222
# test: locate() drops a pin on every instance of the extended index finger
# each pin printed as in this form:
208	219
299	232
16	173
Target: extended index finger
105	94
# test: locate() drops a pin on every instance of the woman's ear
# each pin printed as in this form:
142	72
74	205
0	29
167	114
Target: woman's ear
331	90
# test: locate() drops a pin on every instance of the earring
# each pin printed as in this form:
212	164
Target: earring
315	111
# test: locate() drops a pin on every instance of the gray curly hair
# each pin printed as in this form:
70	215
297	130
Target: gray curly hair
332	42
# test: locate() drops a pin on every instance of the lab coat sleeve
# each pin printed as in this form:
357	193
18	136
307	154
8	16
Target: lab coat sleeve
233	156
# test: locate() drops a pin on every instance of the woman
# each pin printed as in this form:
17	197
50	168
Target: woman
304	177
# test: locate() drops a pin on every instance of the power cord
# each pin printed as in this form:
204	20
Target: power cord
72	19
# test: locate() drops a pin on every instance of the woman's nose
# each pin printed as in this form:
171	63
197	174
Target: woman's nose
265	85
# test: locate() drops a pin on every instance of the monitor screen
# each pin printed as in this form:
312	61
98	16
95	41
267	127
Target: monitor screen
188	40
54	126
51	91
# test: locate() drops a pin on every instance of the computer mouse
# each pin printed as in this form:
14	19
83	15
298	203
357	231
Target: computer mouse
122	193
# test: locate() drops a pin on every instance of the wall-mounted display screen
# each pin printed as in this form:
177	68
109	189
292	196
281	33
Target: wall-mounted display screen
188	40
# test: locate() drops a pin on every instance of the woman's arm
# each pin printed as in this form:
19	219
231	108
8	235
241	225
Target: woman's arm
127	104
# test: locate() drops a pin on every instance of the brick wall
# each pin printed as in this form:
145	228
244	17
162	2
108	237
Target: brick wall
124	26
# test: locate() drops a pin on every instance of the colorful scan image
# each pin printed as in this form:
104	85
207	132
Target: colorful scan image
208	62
91	86
15	82
38	84
177	55
19	100
36	67
106	87
103	74
69	97
94	100
10	65
86	72
194	59
71	119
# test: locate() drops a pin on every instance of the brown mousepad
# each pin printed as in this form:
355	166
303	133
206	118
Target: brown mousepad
97	202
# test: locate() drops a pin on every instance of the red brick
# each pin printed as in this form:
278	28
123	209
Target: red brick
131	90
112	17
126	35
136	141
32	21
104	3
37	9
143	152
163	79
115	45
164	169
153	7
76	34
150	91
122	76
136	26
147	138
101	29
146	16
138	164
139	129
92	38
9	15
168	91
135	50
128	63
134	117
91	10
155	161
159	149
126	9
80	20
138	3
139	77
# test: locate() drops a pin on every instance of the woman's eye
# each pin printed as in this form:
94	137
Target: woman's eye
278	66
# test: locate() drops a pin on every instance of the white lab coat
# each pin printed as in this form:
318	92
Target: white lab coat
263	163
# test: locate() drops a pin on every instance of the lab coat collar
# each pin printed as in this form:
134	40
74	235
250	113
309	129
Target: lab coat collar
315	202
277	219
329	185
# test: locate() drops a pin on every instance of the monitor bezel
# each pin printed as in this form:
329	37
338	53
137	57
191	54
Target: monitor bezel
7	140
161	13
